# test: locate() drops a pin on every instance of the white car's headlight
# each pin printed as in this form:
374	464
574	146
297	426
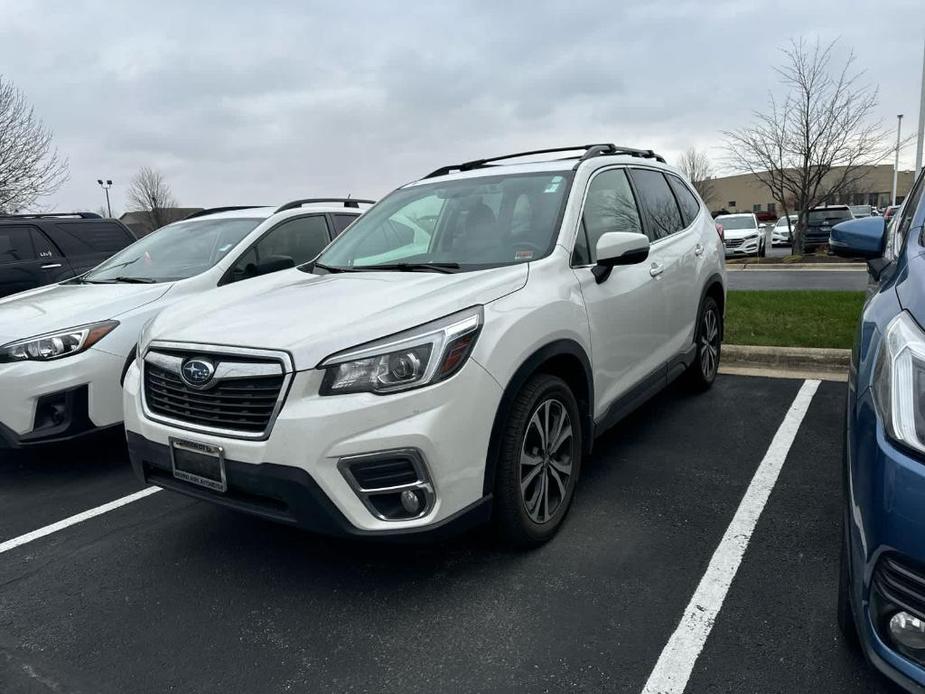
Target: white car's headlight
415	358
899	382
63	343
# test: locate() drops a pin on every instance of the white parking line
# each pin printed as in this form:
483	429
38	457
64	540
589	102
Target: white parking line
676	662
74	520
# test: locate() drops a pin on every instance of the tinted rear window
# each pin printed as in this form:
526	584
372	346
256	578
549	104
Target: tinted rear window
690	208
74	238
830	216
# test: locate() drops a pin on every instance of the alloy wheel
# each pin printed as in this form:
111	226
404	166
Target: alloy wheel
709	344
546	459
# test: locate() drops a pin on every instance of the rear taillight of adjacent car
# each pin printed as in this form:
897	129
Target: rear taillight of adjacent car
719	230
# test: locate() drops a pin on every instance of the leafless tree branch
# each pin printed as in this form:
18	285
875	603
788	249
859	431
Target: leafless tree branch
696	166
30	166
149	192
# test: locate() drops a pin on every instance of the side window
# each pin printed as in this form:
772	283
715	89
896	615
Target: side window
658	204
43	247
908	211
690	208
301	239
341	222
92	237
609	206
15	245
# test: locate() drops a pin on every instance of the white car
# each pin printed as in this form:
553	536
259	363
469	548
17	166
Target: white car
401	385
743	234
782	234
64	348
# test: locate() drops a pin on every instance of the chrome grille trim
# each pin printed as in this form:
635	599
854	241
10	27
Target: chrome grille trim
272	363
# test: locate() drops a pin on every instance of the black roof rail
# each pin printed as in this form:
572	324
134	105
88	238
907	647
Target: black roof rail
52	215
590	151
216	210
348	202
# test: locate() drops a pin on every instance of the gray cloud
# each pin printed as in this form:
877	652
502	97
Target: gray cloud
241	103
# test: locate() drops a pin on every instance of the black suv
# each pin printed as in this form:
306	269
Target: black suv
40	249
820	223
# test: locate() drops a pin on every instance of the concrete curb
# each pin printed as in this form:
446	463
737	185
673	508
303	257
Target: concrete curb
786	267
787	358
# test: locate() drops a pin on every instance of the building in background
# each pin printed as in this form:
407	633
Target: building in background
142	223
745	193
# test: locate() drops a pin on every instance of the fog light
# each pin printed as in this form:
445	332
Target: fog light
907	631
410	501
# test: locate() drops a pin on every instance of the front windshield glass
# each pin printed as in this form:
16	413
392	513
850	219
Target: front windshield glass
784	222
174	252
466	224
733	223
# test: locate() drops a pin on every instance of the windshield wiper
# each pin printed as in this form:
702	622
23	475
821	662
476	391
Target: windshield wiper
332	269
124	280
413	267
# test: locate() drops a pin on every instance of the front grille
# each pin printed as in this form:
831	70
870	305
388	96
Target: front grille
901	584
734	243
240	404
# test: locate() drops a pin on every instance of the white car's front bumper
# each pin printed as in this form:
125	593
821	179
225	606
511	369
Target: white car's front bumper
93	378
448	424
748	246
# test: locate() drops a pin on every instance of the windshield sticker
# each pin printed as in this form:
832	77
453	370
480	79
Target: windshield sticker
554	185
523	255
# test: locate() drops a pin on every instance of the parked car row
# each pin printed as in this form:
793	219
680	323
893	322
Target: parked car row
447	359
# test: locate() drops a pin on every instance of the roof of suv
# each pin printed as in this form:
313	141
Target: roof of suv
563	159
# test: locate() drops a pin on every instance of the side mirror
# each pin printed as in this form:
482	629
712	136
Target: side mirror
619	248
274	263
858	238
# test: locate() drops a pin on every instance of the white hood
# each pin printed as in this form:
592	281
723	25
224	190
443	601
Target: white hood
314	316
60	306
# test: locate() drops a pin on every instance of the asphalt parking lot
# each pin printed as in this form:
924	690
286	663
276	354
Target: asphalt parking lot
170	594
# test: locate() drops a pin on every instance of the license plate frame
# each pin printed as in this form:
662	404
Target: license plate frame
191	461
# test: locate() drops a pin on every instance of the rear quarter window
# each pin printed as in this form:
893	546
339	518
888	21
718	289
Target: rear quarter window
74	238
688	203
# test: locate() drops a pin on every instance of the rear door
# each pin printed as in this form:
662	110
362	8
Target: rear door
87	243
20	265
340	221
673	258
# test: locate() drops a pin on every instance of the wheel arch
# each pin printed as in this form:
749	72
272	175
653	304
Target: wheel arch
564	358
714	288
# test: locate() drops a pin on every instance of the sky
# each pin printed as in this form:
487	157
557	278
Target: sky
260	103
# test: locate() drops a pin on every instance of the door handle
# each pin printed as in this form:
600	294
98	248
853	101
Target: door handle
656	269
698	249
52	266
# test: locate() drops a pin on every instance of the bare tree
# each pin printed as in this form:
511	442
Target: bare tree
696	166
30	167
816	142
150	193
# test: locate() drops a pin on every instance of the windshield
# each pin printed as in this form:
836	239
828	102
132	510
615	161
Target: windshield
829	216
465	224
733	223
174	252
783	222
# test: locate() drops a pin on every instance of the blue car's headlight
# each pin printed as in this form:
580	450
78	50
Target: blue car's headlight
899	382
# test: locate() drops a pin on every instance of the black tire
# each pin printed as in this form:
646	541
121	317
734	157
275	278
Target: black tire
845	615
517	520
702	372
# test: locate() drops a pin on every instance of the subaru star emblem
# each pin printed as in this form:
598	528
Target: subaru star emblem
197	372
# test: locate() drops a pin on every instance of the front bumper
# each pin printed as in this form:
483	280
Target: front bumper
748	247
886	507
448	423
88	383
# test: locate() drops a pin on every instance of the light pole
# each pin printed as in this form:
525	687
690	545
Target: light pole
108	184
899	129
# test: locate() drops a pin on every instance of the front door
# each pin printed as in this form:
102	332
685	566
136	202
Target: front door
627	311
21	265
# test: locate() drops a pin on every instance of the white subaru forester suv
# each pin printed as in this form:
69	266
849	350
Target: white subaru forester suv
449	359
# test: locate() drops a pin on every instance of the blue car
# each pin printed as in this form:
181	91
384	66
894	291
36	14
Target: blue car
881	602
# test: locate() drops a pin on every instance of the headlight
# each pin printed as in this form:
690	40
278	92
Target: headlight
899	382
415	358
63	343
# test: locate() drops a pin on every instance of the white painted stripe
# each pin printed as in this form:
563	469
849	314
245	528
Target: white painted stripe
675	664
74	520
